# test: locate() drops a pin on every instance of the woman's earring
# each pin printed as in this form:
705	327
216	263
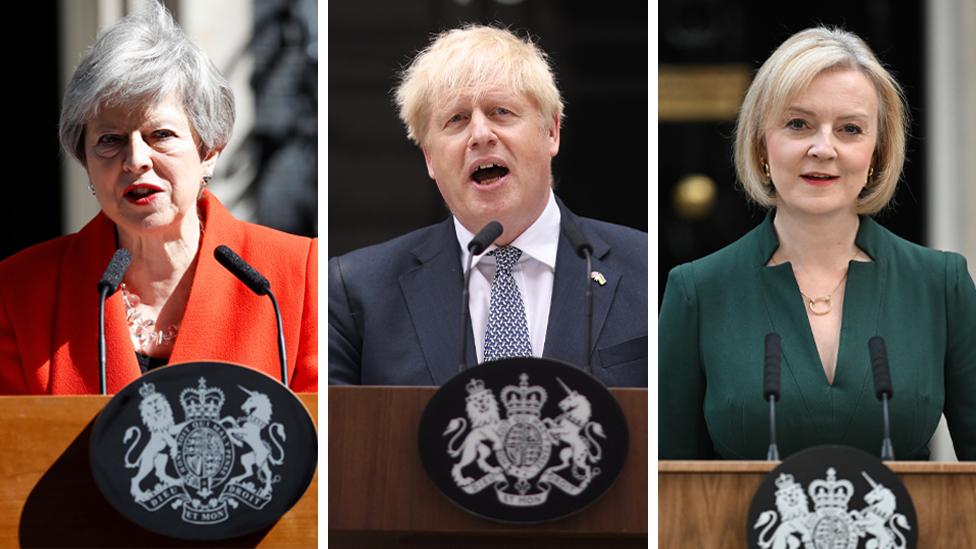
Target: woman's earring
91	188
765	168
870	173
203	186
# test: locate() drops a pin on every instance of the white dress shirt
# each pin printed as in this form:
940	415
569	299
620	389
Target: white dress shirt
533	274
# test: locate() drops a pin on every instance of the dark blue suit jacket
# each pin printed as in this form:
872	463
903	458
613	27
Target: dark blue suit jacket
395	308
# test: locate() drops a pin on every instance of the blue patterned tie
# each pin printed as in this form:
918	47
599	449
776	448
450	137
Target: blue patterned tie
508	332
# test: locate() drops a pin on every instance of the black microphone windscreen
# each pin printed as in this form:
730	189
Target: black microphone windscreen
576	239
879	365
115	270
240	268
771	366
485	237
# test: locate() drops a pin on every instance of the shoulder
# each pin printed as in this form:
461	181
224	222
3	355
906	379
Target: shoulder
40	261
262	247
263	242
905	255
616	235
402	252
740	258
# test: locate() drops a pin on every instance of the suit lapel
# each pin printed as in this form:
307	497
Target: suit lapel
802	368
432	292
75	345
566	331
213	289
867	284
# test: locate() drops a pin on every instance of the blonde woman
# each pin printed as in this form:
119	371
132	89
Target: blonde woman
820	144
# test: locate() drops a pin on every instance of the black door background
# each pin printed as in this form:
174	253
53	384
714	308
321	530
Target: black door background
698	33
378	184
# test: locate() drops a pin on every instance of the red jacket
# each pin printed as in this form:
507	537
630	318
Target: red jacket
49	309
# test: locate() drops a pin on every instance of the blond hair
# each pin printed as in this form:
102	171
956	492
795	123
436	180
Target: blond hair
474	59
789	71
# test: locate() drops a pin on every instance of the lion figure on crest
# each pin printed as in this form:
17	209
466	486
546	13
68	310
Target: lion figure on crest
794	509
482	410
157	416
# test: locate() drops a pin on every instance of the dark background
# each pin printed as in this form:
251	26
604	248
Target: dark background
378	184
715	32
30	202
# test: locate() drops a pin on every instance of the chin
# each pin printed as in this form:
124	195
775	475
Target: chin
150	224
824	208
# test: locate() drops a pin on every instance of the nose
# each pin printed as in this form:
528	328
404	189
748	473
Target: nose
823	145
138	158
481	130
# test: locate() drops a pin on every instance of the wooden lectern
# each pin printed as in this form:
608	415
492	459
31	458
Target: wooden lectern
380	495
48	497
706	503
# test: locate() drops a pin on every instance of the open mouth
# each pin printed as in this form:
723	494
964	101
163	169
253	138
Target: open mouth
141	194
487	174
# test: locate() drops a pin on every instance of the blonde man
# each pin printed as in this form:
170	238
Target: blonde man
483	106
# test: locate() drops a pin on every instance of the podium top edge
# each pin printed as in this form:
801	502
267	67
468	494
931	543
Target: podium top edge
743	467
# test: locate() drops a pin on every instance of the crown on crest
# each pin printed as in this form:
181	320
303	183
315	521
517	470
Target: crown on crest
523	399
203	402
785	484
147	390
831	493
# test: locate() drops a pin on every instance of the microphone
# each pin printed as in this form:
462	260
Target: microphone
882	389
485	237
242	270
106	286
488	234
260	286
584	249
771	367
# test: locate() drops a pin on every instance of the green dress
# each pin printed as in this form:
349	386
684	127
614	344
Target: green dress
717	311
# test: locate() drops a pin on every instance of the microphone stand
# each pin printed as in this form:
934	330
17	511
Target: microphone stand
281	340
103	292
773	453
465	313
887	450
771	387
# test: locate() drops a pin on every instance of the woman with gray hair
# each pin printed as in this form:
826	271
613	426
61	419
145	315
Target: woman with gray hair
820	144
147	115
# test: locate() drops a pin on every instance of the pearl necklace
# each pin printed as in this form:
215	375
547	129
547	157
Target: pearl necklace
143	331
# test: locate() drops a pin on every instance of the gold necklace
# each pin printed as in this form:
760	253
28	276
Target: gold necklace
827	307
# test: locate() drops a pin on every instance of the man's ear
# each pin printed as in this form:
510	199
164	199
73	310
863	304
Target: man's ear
430	166
552	134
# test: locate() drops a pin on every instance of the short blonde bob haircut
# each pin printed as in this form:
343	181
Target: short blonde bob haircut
787	72
474	59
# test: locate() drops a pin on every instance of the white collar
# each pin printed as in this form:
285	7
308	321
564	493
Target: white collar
540	241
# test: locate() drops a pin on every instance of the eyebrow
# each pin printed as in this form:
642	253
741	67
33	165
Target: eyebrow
847	116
